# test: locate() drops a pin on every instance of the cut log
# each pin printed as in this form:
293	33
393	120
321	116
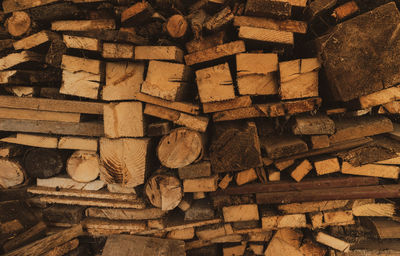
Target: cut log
35	40
12	173
82	43
164	191
353	128
43	162
215	53
124	119
19	23
63	249
266	35
44	245
345	10
123	80
286	221
326	166
312	206
171	84
282	146
62	182
32	140
124	161
139	245
177	26
125	214
348	81
83	166
320	141
118	51
235	148
77	143
25	114
273	9
27	236
208	184
219	20
137	14
166	53
82	25
389	172
279	25
332	242
14	59
238	102
196	170
245	212
246	176
313	125
215	83
180	148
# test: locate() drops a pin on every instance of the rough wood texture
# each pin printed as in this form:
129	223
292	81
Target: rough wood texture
18	24
205	42
137	14
117	51
312	206
196	170
272	9
83	166
320	141
43	162
179	106
77	143
180	148
235	148
166	53
82	25
282	25
326	166
32	140
17	5
389	172
333	242
313	125
286	221
138	245
14	59
301	170
282	146
63	249
317	7
25	114
284	242
245	212
31	234
385	96
386	229
125	214
246	176
82	84
63	182
345	10
238	102
352	79
124	161
177	26
83	43
266	35
215	53
13	174
207	184
164	191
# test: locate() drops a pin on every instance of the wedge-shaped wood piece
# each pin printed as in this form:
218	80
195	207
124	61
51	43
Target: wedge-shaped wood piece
205	184
53	127
124	161
238	102
78	143
137	14
283	146
125	214
301	170
285	221
18	5
76	64
382	171
353	128
123	80
32	140
83	25
80	83
313	125
64	182
266	35
138	245
332	242
167	53
215	83
171	84
265	8
280	25
196	170
215	53
312	206
83	43
118	51
14	59
124	119
327	165
52	105
284	242
244	212
353	79
25	114
35	40
385	96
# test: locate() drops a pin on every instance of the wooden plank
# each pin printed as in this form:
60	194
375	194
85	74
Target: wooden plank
386	229
25	114
63	249
298	3
244	212
246	176
312	206
68	183
207	184
374	209
34	40
374	170
260	22
32	140
166	53
301	170
333	242
52	105
77	143
14	59
43	245
282	146
384	191
266	35
137	14
19	5
286	221
196	170
238	102
83	25
273	9
31	234
284	241
77	64
381	97
320	141
214	53
183	226
125	214
83	43
118	51
327	165
52	127
91	202
313	125
179	106
81	84
124	119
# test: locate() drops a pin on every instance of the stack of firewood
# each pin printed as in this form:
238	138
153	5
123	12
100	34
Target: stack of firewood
199	127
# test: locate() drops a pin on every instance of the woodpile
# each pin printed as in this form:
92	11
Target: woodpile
208	127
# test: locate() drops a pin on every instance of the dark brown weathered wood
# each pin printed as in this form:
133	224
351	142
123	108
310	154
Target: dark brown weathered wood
63	214
46	244
313	125
363	192
308	184
366	154
200	210
43	163
283	146
28	236
267	8
127	245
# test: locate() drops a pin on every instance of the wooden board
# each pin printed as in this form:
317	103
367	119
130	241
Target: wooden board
167	53
326	166
245	212
179	106
285	221
301	170
312	206
77	143
68	183
118	51
34	40
83	43
18	5
382	97
206	184
196	170
125	214
25	114
273	9
137	14
238	102
266	35
388	172
282	146
214	53
333	242
32	140
77	64
14	59
82	25
280	25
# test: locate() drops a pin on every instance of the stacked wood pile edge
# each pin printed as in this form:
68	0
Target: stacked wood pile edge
207	127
